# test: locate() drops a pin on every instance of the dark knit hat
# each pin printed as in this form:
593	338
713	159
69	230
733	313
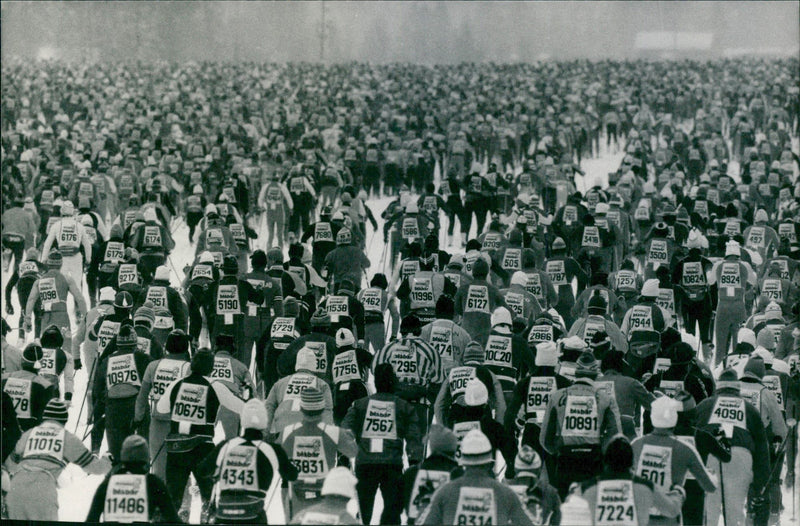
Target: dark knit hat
587	365
379	280
177	342
32	354
55	259
346	286
291	307
443	441
126	338
258	259
56	410
321	318
230	265
135	450
224	342
618	454
597	304
52	338
203	362
410	324
123	300
480	269
312	401
295	251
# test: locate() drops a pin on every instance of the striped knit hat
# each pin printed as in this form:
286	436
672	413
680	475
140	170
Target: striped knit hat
312	401
56	410
473	353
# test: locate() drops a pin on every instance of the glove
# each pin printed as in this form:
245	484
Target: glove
27	325
68	397
77	364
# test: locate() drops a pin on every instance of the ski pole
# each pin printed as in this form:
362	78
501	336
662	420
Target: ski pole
86	393
158	453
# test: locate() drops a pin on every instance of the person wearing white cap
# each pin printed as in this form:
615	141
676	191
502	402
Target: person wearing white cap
734	279
644	323
507	353
194	205
245	468
522	304
476	497
760	236
334	507
538	496
692	290
284	399
69	235
664	460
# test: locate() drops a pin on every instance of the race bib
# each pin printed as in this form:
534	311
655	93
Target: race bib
108	329
126	499
641	318
371	299
127	274
491	241
655	465
404	362
19	389
459	378
337	306
540	333
380	421
48	362
787	230
642	213
693	274
214	237
323	232
430	205
202	271
68	236
751	393
238	233
614	218
115	252
320	353
658	252
534	286
591	237
498	351
345	367
580	417
297	186
46	442
516	302
190	405
296	385
701	208
152	237
730	278
594	324
282	327
772	289
460	430
616	505
477	299
122	370
409	268
661	365
308	456
228	301
422	293
410	229
222	369
555	269
166	372
48	293
755	238
570	215
732	228
626	279
666	300
539	390
476	506
671	388
729	411
158	296
441	339
773	383
512	259
713	195
238	469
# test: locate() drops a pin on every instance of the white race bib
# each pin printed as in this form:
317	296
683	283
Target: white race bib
126	499
616	505
580	417
308	456
19	389
191	404
477	299
555	269
238	469
476	507
345	367
46	442
122	370
540	389
157	295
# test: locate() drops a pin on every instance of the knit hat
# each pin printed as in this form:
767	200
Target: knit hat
55	259
664	412
145	313
291	307
755	368
747	336
150	214
618	454
680	354
341	482
732	248
230	265
135	450
728	380
379	280
346	286
312	400
696	240
559	244
52	338
475	449
476	393
126	338
773	311
519	278
67	209
765	355
162	273
32	254
501	316
107	294
766	339
206	257
258	259
761	216
56	410
274	256
177	342
442	441
587	365
473	353
32	354
597	304
123	300
650	288
203	362
321	318
546	354
573	343
527	461
344	338
305	360
410	324
296	251
480	269
254	415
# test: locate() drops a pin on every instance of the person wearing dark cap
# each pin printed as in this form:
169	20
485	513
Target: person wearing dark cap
275	270
29	391
228	317
128	276
320	341
153	241
630	394
633	496
659	249
563	269
48	300
144	319
375	300
116	385
596	321
382	424
259	316
446	336
421	481
598	284
475	302
39	458
161	294
313	447
345	262
324	234
577	421
726	413
158	375
53	362
193	404
130	480
417	366
234	375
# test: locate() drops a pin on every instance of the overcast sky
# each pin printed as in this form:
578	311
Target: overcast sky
427	32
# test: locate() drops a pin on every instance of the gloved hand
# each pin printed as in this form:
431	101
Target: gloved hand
27	325
77	364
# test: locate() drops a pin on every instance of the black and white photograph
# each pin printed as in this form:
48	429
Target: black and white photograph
471	263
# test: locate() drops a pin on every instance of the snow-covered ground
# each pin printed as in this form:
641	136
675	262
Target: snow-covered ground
77	489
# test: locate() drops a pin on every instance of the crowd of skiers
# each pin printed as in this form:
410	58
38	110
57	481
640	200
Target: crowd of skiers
543	371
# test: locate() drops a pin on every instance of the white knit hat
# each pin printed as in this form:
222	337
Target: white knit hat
340	481
475	449
501	316
305	360
476	393
162	273
546	354
664	412
519	278
344	337
650	288
254	415
747	336
732	248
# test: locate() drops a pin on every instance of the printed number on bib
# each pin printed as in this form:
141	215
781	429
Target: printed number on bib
308	456
228	299
126	499
539	390
477	299
122	370
190	404
46	442
555	269
380	420
238	469
476	507
19	389
580	417
345	367
615	503
729	411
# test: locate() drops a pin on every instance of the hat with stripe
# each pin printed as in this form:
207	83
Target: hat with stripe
56	410
473	353
312	400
